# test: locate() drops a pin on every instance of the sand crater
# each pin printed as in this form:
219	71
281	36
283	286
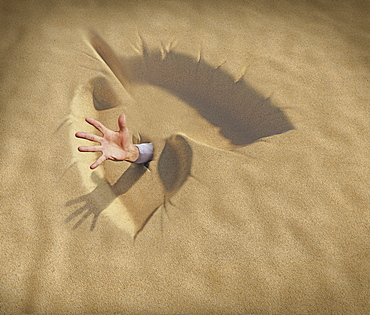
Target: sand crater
240	113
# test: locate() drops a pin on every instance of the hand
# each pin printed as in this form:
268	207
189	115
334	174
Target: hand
114	145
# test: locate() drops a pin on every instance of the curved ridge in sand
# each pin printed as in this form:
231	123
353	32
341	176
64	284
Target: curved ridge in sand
240	112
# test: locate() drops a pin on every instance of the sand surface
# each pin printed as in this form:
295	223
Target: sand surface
257	200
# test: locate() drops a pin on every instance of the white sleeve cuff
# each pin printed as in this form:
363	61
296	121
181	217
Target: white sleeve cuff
145	153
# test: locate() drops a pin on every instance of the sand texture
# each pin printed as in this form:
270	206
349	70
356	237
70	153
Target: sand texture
257	199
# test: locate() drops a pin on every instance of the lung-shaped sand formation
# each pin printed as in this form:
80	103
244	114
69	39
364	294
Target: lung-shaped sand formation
241	114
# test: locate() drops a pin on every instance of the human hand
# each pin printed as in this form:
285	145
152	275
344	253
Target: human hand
114	145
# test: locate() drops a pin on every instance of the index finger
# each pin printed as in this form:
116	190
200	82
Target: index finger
97	124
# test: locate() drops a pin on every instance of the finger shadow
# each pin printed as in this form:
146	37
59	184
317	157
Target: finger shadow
95	202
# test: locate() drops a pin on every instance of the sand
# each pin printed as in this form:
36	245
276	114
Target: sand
257	200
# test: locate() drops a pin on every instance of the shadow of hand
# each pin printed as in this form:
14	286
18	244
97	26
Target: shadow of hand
94	202
103	195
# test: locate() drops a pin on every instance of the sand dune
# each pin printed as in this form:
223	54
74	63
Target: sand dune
257	199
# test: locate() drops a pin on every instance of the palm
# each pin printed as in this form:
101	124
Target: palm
114	145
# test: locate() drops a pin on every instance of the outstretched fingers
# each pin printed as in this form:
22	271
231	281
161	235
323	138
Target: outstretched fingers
98	162
97	124
89	136
93	148
122	122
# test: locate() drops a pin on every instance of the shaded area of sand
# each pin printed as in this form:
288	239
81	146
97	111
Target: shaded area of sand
257	200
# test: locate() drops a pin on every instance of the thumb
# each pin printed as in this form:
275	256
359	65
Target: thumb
122	122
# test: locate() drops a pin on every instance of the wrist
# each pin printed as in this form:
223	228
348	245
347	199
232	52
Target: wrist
145	153
132	153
